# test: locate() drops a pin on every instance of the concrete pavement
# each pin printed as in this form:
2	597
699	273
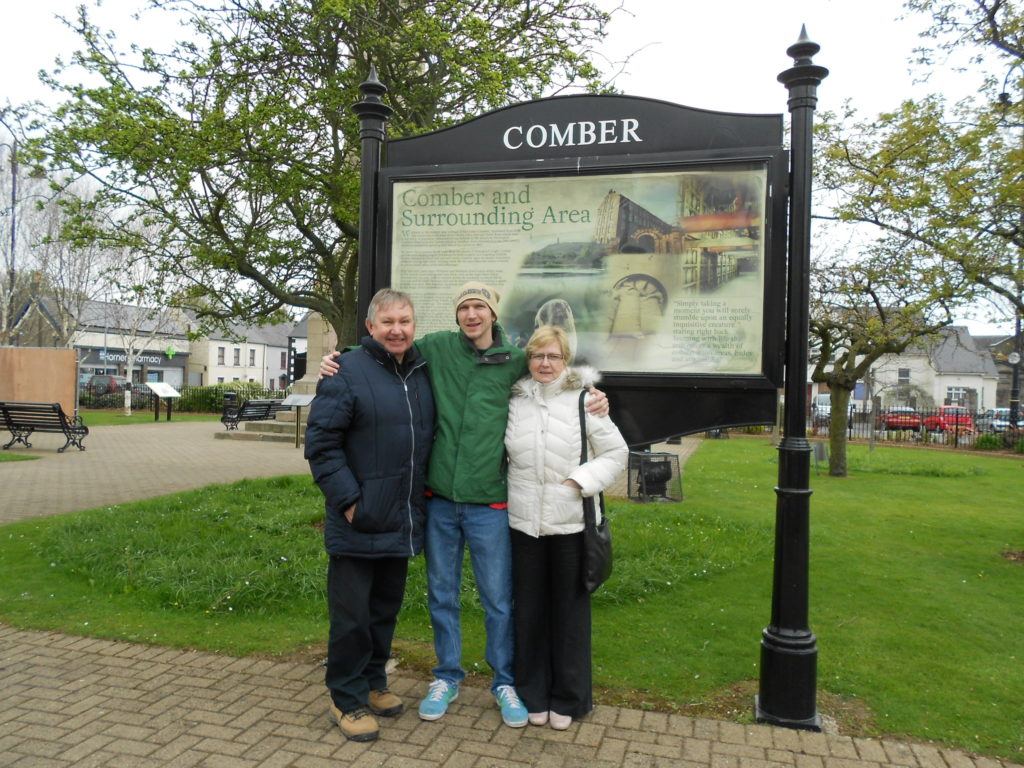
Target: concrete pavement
131	462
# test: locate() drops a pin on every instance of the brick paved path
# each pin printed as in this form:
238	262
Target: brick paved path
136	461
71	701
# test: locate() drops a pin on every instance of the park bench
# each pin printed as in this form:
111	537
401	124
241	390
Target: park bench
22	419
251	410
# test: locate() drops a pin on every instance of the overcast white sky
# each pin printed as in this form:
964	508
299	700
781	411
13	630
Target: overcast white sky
714	55
722	55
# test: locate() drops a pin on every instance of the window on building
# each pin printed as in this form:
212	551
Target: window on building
284	360
220	379
220	355
252	357
237	357
902	375
956	395
234	378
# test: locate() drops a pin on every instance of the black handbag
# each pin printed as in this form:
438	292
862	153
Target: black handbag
597	538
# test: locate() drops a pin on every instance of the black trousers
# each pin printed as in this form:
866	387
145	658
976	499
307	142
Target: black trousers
552	624
363	598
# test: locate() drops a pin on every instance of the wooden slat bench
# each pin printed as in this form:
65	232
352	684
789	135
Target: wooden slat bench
22	419
251	410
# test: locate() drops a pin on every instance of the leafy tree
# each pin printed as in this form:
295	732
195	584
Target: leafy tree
38	266
940	187
947	181
134	327
978	25
236	152
864	309
947	178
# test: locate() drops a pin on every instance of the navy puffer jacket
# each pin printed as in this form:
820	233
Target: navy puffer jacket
368	440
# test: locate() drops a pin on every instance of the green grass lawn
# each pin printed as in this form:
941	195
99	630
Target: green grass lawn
107	417
5	456
915	600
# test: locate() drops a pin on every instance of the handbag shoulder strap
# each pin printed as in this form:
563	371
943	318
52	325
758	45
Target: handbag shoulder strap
583	429
589	513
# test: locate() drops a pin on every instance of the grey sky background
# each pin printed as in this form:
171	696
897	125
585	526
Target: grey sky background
721	55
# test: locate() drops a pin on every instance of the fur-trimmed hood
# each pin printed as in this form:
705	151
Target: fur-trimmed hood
579	377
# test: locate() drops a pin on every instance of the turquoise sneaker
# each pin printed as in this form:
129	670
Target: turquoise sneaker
440	694
512	710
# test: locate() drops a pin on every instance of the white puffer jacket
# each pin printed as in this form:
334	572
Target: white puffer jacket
543	444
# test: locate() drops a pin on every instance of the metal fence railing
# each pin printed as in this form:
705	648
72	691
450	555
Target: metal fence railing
205	399
953	426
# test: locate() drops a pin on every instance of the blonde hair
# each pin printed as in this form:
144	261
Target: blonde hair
544	336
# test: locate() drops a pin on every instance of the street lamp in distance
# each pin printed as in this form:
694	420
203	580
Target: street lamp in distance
1014	357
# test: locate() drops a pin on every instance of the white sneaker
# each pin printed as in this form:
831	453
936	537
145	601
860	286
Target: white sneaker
538	718
559	722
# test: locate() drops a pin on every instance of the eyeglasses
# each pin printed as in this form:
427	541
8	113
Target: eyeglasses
553	357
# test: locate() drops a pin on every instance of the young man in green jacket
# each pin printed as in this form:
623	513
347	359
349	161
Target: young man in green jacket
471	373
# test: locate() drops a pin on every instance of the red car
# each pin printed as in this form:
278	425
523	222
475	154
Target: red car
950	418
901	417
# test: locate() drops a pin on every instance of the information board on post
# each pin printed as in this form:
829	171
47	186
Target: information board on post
653	233
659	272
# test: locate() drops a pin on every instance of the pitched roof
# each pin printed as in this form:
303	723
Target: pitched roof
107	314
990	341
272	335
41	305
956	351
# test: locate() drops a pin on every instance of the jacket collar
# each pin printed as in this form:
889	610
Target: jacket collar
572	378
412	359
498	352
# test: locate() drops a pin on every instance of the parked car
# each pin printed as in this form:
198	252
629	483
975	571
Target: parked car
996	420
949	418
106	384
821	409
901	417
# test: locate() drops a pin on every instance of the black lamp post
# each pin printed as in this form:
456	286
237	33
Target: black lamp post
373	115
11	266
789	650
1014	358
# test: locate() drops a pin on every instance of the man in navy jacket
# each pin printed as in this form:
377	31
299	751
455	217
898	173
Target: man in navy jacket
367	442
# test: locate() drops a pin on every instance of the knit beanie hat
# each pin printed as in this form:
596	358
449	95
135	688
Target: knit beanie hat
479	291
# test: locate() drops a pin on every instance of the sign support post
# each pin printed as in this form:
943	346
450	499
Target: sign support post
789	651
373	114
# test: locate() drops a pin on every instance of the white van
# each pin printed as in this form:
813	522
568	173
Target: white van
821	408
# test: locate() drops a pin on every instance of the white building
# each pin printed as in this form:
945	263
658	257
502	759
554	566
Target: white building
106	331
245	353
951	370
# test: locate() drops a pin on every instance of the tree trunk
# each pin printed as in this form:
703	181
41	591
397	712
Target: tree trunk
343	331
129	365
838	425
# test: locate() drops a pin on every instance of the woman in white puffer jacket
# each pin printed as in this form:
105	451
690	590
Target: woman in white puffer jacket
546	485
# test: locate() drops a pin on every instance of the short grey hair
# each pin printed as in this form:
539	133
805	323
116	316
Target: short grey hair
388	297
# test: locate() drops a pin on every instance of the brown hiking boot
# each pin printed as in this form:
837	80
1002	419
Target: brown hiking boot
357	725
385	703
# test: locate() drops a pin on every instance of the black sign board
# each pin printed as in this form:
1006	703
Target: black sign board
654	232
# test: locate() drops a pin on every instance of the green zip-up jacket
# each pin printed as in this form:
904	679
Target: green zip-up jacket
471	391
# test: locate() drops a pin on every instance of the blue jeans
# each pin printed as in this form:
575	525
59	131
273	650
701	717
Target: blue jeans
450	526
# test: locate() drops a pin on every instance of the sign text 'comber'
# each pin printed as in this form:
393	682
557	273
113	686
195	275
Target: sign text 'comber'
576	134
